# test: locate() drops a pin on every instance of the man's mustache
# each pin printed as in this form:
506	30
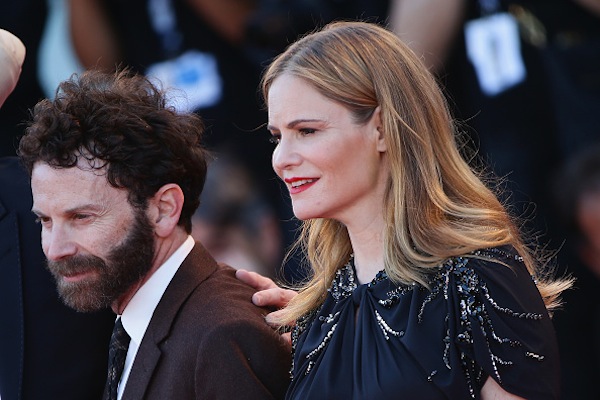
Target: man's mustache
76	265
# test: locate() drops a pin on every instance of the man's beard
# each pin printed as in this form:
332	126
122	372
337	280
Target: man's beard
125	265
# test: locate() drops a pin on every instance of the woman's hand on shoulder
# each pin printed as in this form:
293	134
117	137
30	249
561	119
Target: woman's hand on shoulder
268	295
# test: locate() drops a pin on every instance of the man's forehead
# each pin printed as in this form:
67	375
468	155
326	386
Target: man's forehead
49	182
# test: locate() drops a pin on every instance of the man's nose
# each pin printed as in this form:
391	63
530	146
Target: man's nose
57	243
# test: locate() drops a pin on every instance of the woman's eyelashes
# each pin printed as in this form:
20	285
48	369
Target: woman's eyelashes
276	137
307	131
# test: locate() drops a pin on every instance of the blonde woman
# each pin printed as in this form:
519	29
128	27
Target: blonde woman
421	287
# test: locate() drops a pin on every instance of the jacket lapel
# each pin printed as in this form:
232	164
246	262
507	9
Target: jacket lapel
196	268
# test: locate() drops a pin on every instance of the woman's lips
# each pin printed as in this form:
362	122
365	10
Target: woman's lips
298	185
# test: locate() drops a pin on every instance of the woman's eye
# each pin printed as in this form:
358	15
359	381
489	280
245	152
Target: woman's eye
275	138
307	131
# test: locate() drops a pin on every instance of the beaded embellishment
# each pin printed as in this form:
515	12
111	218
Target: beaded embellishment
474	297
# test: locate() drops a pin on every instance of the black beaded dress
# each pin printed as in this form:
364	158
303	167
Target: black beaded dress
481	317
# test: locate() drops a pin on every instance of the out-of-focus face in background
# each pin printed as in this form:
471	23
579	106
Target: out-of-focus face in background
588	217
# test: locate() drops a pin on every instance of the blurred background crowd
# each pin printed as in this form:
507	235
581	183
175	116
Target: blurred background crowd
521	77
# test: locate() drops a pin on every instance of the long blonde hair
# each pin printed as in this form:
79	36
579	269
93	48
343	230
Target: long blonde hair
435	206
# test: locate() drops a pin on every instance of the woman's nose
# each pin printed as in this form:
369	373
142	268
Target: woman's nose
285	155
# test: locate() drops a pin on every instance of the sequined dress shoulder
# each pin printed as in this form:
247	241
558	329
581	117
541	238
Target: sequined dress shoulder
482	316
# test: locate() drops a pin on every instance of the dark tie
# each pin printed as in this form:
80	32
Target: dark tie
119	343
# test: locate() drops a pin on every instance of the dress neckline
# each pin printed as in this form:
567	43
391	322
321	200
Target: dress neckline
380	276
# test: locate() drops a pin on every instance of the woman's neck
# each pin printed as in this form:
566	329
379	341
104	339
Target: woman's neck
368	249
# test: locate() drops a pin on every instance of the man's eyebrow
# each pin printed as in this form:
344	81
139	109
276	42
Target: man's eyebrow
73	210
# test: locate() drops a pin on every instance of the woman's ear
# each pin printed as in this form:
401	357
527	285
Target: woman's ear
165	209
376	121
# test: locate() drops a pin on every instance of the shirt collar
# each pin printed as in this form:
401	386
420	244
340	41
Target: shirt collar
138	312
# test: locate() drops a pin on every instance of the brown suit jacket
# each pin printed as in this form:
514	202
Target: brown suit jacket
206	340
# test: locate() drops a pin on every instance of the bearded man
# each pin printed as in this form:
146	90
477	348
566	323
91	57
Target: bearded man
116	175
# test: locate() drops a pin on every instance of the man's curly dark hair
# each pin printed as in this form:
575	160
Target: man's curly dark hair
122	120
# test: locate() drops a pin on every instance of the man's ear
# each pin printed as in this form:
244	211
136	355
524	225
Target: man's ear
164	209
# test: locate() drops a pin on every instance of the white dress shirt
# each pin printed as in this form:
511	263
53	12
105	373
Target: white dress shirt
139	310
